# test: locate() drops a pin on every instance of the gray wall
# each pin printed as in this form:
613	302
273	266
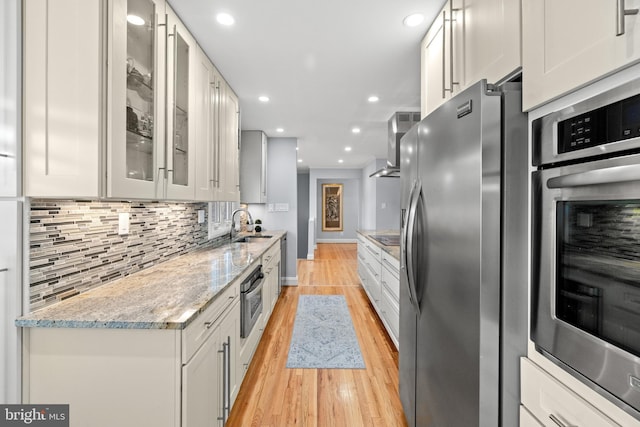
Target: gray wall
281	189
333	175
350	210
303	213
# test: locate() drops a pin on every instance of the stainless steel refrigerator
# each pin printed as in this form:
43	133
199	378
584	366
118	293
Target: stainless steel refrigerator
463	293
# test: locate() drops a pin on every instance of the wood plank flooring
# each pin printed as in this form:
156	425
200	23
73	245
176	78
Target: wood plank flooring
274	396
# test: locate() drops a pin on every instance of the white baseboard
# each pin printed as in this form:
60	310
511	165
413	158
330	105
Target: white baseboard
310	257
290	281
337	240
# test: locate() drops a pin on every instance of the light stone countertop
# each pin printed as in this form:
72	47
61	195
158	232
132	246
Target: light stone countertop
166	296
392	250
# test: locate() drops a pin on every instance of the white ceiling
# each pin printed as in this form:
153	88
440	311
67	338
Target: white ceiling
318	61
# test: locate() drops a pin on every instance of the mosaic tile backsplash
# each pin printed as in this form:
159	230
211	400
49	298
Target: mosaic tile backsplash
75	246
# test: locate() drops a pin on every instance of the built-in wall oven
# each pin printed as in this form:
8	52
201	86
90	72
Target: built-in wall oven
586	241
251	301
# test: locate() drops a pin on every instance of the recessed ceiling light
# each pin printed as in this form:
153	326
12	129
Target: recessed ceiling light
135	20
373	98
355	130
299	160
413	20
280	130
347	148
225	19
263	98
297	148
340	161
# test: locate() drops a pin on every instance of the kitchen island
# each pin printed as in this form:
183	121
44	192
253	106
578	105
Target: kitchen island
159	347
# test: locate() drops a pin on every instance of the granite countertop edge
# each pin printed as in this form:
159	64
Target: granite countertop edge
392	250
212	266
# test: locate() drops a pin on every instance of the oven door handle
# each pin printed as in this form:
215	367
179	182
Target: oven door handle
255	288
625	173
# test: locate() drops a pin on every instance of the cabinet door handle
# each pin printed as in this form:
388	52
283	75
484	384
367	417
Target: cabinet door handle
621	13
444	47
226	380
451	20
557	421
7	156
2	270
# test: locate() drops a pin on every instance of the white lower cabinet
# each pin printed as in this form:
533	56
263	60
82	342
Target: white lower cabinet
144	377
528	420
210	378
271	269
550	403
379	274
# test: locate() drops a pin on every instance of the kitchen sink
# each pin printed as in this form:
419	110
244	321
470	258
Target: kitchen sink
249	239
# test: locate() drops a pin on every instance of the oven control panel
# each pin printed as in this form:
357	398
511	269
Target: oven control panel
605	125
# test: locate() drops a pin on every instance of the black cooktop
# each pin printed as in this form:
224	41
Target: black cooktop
387	239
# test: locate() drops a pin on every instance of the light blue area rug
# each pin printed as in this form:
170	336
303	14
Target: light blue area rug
323	335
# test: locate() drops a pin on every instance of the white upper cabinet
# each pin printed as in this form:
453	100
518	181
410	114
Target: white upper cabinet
468	41
204	130
62	102
116	97
492	35
216	173
10	146
253	167
229	145
567	44
434	77
136	113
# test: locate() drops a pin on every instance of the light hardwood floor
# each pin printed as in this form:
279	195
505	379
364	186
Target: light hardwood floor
274	396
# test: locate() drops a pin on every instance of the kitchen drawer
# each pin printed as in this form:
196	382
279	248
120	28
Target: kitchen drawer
196	333
528	420
392	264
548	399
390	314
374	249
270	255
391	281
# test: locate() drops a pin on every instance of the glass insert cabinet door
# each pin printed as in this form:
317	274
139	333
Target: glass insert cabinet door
180	101
140	95
180	145
136	78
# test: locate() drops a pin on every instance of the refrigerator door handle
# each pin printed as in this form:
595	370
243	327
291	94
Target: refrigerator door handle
411	275
403	236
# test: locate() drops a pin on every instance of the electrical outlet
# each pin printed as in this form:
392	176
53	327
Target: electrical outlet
200	216
123	223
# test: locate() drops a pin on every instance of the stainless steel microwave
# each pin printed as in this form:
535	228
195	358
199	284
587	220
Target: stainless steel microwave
586	242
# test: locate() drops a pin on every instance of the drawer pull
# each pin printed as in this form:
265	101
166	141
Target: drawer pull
208	325
557	421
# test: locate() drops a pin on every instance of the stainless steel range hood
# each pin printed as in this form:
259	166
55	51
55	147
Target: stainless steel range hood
399	124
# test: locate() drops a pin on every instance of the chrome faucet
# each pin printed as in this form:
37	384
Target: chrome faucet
232	233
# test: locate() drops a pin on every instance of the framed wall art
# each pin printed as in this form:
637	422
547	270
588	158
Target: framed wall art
331	207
